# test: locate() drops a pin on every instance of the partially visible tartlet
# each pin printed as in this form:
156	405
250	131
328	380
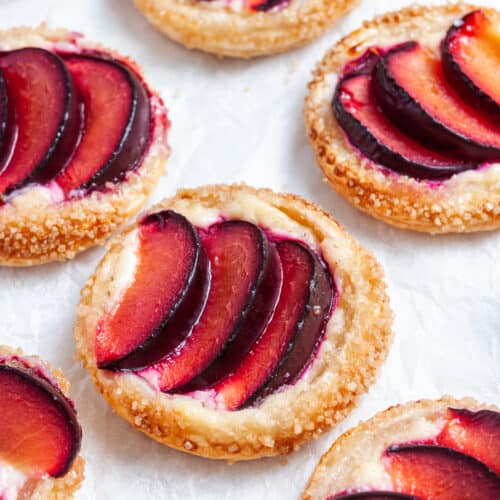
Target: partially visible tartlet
376	131
244	28
40	436
71	181
194	381
429	449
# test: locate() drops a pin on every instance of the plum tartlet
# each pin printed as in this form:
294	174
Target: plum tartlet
40	436
234	323
243	28
403	117
82	144
426	450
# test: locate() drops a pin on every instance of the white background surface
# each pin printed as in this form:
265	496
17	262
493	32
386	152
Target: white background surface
242	121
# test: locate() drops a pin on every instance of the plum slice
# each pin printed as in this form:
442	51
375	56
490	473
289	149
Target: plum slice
117	123
369	130
471	60
169	257
438	473
309	334
374	495
411	88
266	297
263	358
236	251
4	111
265	5
38	85
39	432
474	433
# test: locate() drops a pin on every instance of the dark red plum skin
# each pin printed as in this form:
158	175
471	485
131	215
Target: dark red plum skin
60	400
310	331
68	129
471	472
266	294
134	143
411	117
458	79
4	110
362	137
373	495
184	314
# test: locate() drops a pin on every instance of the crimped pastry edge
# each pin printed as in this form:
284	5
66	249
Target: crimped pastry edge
33	230
465	203
61	487
380	422
244	34
360	326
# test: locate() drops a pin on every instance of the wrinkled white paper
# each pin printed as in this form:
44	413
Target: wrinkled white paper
242	121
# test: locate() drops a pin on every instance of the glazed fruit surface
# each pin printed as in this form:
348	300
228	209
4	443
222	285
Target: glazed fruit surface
39	432
383	104
97	121
263	304
462	461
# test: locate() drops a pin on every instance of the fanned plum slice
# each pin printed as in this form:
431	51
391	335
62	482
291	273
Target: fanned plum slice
117	123
4	111
265	5
380	140
438	473
474	433
178	327
43	112
39	432
264	356
471	60
411	88
236	251
309	332
266	297
168	257
374	495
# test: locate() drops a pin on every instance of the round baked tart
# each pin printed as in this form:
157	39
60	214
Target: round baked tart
234	323
82	144
419	159
40	435
424	450
243	28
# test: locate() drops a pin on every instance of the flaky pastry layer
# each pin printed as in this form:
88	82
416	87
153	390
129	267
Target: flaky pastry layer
243	33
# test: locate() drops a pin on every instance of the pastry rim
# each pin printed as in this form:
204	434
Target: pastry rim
183	423
37	230
465	203
379	422
243	34
61	487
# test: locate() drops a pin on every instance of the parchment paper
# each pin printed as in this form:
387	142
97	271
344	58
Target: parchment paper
242	121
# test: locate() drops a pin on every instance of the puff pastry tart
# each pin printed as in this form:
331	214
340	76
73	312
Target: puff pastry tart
243	28
82	144
234	323
426	450
39	432
403	115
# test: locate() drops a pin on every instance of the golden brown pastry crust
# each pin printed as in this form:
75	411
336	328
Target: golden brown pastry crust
33	228
466	202
391	426
246	33
61	487
356	342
